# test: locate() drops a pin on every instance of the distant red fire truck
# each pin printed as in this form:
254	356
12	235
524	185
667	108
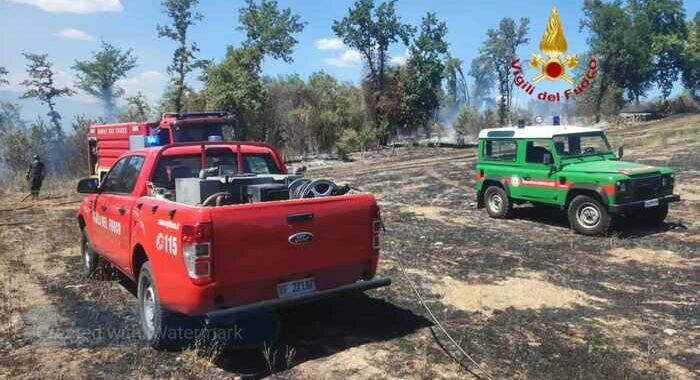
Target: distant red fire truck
107	142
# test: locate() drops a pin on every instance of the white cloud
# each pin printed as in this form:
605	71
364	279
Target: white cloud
149	82
74	6
329	44
74	34
399	59
349	58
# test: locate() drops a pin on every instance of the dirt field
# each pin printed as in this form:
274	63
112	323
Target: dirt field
526	297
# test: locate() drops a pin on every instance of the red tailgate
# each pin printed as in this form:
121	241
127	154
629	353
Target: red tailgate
253	252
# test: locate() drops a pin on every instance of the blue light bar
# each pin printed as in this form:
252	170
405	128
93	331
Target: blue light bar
152	140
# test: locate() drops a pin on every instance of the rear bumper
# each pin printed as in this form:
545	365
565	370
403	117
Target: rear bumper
639	205
223	315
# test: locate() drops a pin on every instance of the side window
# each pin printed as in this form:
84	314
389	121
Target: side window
500	150
122	178
131	173
536	150
562	145
112	181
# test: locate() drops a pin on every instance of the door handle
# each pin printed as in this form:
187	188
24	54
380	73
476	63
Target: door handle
299	218
121	210
526	177
104	208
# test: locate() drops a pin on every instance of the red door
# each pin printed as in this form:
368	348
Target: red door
115	211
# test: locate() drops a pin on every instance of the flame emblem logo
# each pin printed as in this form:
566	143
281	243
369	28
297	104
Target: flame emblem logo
553	45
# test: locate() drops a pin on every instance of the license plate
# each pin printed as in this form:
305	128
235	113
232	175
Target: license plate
296	287
651	203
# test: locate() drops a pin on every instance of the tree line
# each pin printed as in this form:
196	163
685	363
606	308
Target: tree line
639	44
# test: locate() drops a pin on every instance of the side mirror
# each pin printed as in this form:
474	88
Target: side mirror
88	186
620	151
547	159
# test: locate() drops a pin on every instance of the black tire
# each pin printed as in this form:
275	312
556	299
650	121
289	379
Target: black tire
497	203
90	259
161	327
651	217
588	216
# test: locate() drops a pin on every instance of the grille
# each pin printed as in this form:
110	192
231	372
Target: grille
646	188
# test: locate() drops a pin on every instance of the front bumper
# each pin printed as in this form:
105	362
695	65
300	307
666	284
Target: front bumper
640	205
226	315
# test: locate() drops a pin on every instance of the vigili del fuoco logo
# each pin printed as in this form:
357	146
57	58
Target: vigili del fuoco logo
554	65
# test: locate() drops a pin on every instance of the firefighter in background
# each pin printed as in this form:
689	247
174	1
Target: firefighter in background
35	176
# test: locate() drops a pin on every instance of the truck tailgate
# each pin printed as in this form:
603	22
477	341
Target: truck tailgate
258	246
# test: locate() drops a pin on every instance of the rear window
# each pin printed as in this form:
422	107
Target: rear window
188	166
260	164
500	150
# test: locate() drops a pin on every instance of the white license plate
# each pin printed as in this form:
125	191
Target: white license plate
651	203
296	287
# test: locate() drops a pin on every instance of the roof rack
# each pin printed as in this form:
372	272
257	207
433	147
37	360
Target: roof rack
191	115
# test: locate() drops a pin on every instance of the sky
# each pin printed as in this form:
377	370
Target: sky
69	30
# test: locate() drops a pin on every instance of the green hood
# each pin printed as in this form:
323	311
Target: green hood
610	166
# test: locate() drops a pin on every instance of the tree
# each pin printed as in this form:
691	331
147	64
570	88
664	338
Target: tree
466	123
137	109
234	84
14	150
270	29
371	34
98	77
348	142
499	50
482	72
184	59
3	74
425	72
691	58
638	77
669	32
457	88
41	85
608	24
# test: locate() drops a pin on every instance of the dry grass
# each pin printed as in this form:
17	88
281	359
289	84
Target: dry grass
525	291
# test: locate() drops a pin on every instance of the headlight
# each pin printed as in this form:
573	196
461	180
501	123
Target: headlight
622	186
667	181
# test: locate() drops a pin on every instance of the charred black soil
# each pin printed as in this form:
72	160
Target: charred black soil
526	297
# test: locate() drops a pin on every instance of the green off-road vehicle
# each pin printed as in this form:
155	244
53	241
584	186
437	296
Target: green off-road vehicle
572	168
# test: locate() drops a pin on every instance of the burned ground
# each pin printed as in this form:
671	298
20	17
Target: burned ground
526	297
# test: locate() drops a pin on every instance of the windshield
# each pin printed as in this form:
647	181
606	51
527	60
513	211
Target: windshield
190	133
581	144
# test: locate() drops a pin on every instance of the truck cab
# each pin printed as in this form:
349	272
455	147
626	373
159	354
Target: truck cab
572	168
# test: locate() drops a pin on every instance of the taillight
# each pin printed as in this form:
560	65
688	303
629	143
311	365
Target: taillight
196	252
377	228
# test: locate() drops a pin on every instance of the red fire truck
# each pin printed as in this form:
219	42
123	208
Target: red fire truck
107	142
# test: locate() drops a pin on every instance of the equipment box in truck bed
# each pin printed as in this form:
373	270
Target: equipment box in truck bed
227	254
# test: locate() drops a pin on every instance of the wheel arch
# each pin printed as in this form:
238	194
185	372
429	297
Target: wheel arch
488	182
594	190
138	258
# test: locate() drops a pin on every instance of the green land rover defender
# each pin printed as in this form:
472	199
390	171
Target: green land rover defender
572	168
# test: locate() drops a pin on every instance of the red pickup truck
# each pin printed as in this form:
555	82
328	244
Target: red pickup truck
215	230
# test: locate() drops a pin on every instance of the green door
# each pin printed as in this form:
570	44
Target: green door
535	180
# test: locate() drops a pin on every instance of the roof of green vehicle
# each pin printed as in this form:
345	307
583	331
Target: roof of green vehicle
536	132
